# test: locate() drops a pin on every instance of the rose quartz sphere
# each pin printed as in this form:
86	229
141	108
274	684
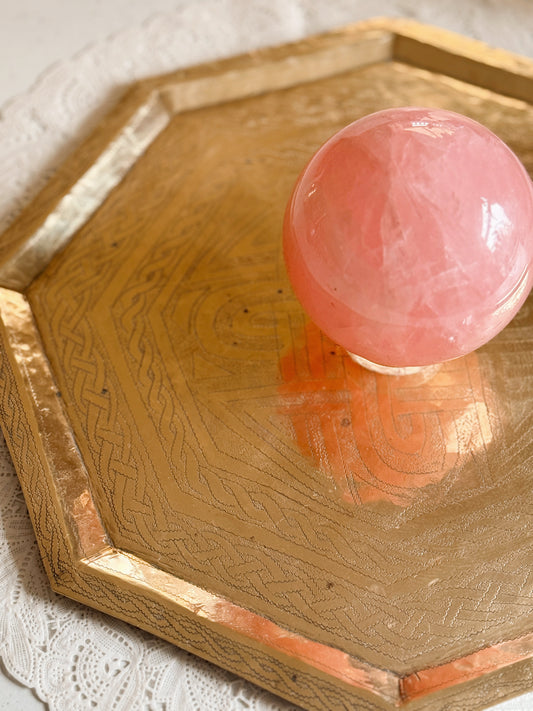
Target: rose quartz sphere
408	238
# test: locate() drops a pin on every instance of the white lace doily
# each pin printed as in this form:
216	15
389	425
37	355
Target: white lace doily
75	658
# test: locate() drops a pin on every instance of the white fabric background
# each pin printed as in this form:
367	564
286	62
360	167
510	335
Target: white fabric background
72	657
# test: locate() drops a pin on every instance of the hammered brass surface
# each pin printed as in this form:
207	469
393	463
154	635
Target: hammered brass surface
200	460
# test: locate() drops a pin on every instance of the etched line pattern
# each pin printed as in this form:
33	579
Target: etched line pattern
303	688
385	438
228	443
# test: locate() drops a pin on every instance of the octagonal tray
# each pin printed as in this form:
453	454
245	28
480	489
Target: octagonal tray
199	460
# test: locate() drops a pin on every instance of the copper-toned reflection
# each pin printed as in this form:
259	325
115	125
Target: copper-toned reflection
381	437
490	659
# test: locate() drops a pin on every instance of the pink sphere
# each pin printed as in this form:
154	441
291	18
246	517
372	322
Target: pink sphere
408	238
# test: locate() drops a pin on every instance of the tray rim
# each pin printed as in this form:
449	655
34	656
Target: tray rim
47	225
147	107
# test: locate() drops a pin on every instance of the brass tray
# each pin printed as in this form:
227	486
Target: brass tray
200	461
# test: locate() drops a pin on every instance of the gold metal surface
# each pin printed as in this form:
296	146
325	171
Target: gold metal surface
61	465
201	461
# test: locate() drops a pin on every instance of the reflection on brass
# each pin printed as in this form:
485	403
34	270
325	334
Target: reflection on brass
207	606
86	195
382	438
62	468
199	460
427	681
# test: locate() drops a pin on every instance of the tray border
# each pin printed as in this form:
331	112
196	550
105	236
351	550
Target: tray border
74	545
100	162
76	551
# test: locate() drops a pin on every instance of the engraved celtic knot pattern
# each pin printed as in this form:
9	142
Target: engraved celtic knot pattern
381	437
60	648
229	444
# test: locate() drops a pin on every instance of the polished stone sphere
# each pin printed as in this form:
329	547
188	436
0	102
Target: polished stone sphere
408	238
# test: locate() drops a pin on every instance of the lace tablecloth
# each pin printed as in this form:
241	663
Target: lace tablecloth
73	657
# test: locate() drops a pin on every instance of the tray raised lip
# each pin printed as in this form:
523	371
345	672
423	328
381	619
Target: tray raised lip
97	166
81	552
